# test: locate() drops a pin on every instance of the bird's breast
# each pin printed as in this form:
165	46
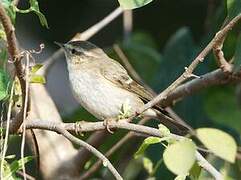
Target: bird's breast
99	96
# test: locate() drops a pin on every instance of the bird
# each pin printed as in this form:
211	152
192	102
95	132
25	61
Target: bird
103	86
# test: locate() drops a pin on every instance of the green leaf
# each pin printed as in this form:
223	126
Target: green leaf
195	172
220	103
181	177
3	85
148	141
17	165
237	55
219	142
36	67
10	8
233	9
148	165
132	4
35	8
180	156
38	79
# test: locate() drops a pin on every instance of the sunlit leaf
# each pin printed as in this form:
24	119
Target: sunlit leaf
38	79
148	165
180	156
148	141
181	177
36	67
132	4
219	142
17	165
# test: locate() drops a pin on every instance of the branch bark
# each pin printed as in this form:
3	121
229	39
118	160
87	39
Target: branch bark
216	77
189	70
16	58
95	126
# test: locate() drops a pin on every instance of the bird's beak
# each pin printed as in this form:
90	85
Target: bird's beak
59	44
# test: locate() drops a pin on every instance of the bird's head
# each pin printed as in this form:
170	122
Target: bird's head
78	52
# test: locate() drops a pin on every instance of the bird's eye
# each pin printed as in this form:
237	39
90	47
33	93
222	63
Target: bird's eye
73	51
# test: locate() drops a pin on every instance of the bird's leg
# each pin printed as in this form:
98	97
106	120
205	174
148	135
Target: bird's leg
77	127
106	124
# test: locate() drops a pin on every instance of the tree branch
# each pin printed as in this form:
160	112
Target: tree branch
119	144
94	126
189	70
16	58
216	77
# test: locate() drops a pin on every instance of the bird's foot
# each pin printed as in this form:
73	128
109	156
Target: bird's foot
107	125
77	127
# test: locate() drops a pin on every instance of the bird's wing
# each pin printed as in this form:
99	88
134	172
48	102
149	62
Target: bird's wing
119	76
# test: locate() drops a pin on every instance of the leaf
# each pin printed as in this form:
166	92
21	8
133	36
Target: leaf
36	67
148	165
219	142
132	4
148	141
233	9
181	177
220	103
237	55
35	8
195	172
180	156
38	79
15	166
3	84
10	8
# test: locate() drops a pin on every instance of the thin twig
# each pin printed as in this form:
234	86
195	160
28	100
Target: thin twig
29	177
127	24
16	58
208	167
91	149
25	114
82	36
94	126
5	145
113	149
222	63
216	77
189	70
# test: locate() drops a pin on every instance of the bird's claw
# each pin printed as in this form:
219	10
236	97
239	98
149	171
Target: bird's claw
106	124
77	127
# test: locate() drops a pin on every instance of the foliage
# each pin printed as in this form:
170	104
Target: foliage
11	169
132	4
216	107
34	7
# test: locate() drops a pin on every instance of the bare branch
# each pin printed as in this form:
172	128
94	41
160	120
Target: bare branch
186	74
94	126
216	77
127	24
97	165
16	57
217	50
